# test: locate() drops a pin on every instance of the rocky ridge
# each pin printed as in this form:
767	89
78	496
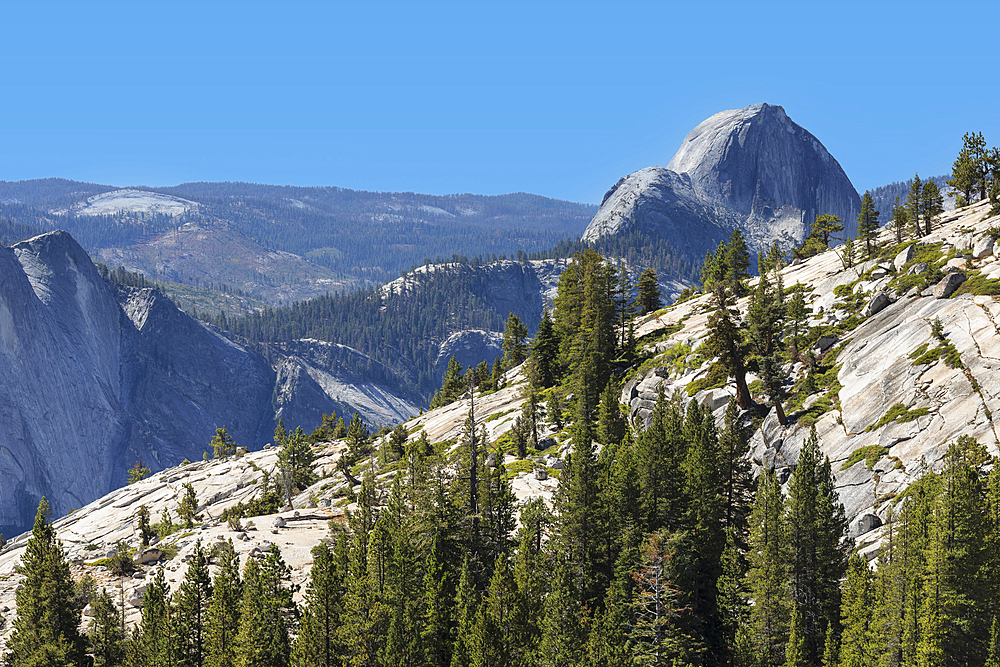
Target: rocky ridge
895	408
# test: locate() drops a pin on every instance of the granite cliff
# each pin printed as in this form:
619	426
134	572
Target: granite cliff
751	168
94	378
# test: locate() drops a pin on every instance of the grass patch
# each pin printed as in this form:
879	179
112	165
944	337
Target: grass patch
812	414
870	455
497	415
715	378
978	285
515	468
898	413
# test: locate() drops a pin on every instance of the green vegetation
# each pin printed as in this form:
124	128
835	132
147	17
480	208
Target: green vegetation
898	413
870	455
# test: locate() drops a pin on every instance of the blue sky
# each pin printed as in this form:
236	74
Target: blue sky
559	99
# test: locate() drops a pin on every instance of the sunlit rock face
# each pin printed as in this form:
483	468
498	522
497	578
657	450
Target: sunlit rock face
751	168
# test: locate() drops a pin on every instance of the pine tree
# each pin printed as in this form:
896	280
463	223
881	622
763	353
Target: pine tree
452	385
514	336
223	444
931	203
466	606
611	425
899	220
767	577
658	608
316	644
858	640
295	459
47	626
223	616
816	526
192	601
868	224
107	638
262	640
624	305
825	226
437	607
562	625
725	341
545	350
649	292
187	511
155	641
496	642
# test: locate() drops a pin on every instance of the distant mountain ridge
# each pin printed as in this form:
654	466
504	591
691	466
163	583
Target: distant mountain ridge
752	169
331	238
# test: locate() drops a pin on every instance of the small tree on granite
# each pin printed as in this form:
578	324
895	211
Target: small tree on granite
514	336
138	472
868	224
223	444
931	203
649	292
187	511
295	458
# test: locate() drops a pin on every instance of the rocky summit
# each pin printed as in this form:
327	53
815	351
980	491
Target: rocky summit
95	377
751	168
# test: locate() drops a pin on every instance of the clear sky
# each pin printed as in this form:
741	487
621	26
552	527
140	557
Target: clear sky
555	99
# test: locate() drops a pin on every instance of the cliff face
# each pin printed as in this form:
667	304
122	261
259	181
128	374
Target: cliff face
751	168
92	380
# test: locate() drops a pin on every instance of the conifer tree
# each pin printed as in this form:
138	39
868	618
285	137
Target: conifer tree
223	616
899	220
624	304
514	336
295	458
767	577
649	292
466	606
155	641
187	511
611	425
316	644
825	226
858	647
495	639
107	639
931	203
725	341
868	224
816	526
563	630
545	350
262	640
223	444
437	606
47	626
192	600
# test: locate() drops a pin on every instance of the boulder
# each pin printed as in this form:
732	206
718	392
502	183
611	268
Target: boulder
964	243
88	610
545	443
824	343
865	524
947	285
920	267
279	522
877	303
150	555
903	258
556	464
541	473
879	272
325	503
983	247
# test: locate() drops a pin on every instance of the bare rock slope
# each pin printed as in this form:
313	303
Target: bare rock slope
899	398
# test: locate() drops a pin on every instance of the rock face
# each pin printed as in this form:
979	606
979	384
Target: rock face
751	168
469	348
93	379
